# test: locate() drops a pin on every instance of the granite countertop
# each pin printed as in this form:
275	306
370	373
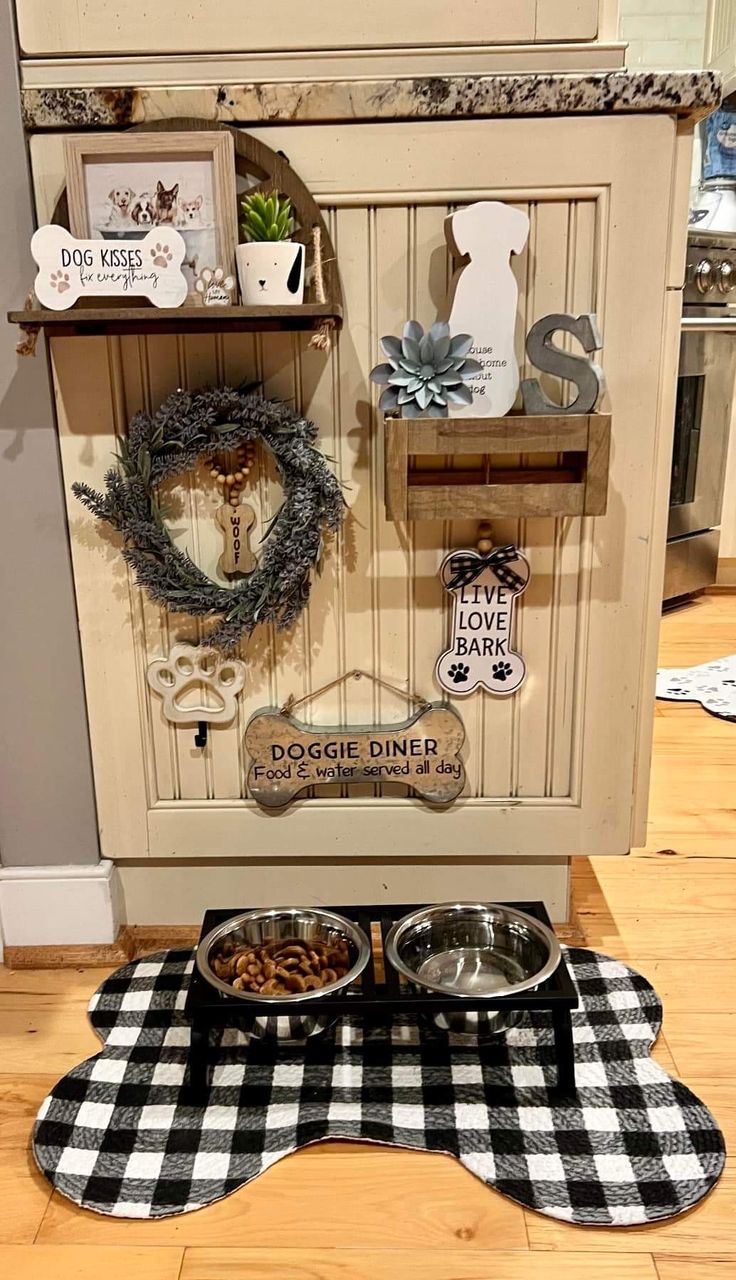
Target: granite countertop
438	97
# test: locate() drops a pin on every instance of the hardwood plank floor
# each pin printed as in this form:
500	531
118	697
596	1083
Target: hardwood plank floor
394	1264
94	1262
343	1211
411	1200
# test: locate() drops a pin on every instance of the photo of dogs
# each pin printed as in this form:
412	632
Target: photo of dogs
190	212
121	202
143	210
126	198
165	202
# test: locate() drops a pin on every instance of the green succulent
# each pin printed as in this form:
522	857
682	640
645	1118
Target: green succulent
267	217
426	372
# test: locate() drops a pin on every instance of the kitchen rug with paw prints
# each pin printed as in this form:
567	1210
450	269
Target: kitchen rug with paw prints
120	1134
712	684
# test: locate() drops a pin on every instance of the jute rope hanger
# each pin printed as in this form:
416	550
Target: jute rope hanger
355	674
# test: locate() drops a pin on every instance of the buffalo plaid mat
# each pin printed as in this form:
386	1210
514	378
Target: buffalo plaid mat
119	1133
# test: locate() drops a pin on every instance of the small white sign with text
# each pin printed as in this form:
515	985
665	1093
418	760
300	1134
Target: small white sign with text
69	269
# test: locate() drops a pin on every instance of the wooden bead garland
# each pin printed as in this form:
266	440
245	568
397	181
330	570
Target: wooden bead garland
232	476
485	537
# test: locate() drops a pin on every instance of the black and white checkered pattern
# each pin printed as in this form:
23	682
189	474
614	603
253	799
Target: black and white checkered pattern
120	1136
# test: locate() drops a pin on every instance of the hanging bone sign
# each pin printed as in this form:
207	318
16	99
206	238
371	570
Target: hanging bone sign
484	588
287	756
236	522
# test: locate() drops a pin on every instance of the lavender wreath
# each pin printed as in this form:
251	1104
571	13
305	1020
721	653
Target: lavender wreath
183	431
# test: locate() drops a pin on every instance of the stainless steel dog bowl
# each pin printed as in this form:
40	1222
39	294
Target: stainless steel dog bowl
301	924
473	949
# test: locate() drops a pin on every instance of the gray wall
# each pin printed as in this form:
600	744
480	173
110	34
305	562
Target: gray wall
47	812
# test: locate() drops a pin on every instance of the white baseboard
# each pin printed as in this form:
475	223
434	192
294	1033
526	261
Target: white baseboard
157	892
77	905
726	575
48	906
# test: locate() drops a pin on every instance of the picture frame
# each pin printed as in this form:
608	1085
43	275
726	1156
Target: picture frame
121	186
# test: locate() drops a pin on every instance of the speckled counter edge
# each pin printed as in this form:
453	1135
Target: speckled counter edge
691	93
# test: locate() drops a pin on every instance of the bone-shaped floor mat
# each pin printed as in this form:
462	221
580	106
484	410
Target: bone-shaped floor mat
119	1134
712	684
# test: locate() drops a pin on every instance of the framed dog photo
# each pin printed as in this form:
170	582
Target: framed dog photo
121	186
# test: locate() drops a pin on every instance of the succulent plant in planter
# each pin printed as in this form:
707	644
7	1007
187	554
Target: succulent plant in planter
426	372
270	265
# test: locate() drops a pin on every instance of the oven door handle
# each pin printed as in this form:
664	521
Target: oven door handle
709	324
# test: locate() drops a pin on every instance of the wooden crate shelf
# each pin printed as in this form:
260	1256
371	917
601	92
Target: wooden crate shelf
578	486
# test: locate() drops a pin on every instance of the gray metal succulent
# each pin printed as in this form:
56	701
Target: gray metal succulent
426	372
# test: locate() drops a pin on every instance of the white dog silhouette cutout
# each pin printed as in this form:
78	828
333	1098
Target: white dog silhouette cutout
484	296
484	589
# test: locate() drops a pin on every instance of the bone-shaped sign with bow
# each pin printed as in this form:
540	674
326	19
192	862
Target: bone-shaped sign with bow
423	753
484	589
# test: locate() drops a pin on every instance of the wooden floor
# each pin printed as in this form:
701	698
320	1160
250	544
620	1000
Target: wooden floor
367	1213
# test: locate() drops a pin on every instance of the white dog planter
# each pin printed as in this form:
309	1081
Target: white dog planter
484	297
271	273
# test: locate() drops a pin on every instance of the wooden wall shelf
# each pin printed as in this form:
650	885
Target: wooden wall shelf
86	320
578	486
260	169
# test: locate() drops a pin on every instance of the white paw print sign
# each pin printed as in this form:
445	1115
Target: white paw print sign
70	269
202	672
485	587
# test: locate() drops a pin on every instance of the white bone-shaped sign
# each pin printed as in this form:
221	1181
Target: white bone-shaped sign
422	753
189	667
70	269
484	590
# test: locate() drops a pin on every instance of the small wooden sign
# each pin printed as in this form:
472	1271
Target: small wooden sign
70	269
236	524
215	288
423	753
484	589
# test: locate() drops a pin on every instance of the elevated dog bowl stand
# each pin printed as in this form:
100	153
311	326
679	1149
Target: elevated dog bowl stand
376	999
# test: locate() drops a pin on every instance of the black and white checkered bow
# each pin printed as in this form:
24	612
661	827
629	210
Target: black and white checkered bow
466	567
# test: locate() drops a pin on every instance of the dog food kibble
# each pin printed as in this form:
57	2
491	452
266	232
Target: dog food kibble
283	967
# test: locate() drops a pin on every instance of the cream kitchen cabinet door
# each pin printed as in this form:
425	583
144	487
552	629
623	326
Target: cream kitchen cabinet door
91	27
552	770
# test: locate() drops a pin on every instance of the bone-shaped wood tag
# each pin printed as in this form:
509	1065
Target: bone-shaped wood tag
69	269
423	753
236	524
484	589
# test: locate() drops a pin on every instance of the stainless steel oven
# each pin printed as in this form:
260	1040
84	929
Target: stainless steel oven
705	390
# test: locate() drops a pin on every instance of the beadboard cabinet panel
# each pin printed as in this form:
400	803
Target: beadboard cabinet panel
94	27
720	41
550	771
